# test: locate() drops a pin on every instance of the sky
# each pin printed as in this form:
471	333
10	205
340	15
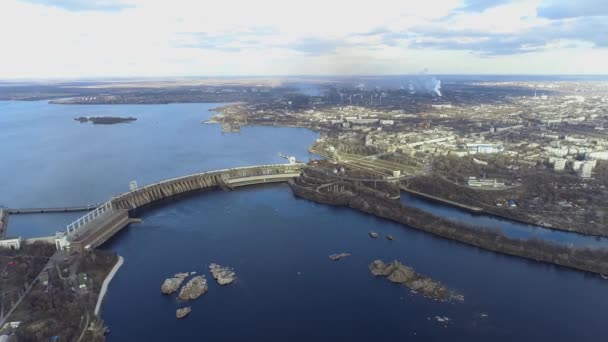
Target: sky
152	38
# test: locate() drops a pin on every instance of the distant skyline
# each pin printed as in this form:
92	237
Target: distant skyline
147	38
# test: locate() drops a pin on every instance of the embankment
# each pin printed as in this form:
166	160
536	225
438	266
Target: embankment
106	282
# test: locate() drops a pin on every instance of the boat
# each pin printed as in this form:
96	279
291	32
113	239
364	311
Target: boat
604	276
373	234
390	237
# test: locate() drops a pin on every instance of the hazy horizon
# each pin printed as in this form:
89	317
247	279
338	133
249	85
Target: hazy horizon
287	76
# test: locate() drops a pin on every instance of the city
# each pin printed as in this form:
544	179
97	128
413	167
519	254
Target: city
328	171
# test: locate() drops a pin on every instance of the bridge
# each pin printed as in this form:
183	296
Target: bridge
99	225
52	210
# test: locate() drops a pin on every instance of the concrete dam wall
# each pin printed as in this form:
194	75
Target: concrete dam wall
226	179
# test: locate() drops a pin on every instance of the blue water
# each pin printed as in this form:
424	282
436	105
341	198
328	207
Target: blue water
287	289
50	160
37	225
509	228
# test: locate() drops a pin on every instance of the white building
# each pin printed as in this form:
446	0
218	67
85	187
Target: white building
603	155
559	164
61	241
484	148
585	170
575	98
11	243
490	183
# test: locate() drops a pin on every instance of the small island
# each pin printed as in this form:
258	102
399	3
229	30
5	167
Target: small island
397	272
223	275
104	120
171	285
196	287
338	256
183	312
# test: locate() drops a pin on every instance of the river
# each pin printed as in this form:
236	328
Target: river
287	289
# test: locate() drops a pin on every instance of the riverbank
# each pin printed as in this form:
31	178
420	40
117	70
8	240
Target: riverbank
530	207
356	197
442	200
495	212
106	282
62	299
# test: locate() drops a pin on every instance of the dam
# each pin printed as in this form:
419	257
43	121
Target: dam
99	225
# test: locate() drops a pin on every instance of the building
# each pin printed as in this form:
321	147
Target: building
603	155
61	241
488	183
44	278
484	148
512	203
559	164
82	280
14	243
585	170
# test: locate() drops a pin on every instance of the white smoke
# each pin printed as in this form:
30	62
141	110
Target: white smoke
425	84
437	88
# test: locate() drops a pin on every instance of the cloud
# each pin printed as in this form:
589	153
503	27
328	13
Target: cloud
480	5
563	34
84	5
231	41
314	46
184	37
562	9
508	29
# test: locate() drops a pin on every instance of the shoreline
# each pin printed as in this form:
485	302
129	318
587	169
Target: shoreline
483	211
477	210
582	259
106	282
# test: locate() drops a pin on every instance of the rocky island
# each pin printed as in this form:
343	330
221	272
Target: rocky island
183	312
397	272
171	285
223	275
104	120
338	256
194	288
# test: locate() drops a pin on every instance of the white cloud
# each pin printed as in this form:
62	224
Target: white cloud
72	38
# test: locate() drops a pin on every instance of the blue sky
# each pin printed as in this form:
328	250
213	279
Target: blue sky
106	38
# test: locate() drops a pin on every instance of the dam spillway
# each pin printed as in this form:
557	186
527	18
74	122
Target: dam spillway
226	179
99	225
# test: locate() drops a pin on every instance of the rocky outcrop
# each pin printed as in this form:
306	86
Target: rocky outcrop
338	256
402	274
379	268
397	272
183	312
223	275
194	288
171	285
